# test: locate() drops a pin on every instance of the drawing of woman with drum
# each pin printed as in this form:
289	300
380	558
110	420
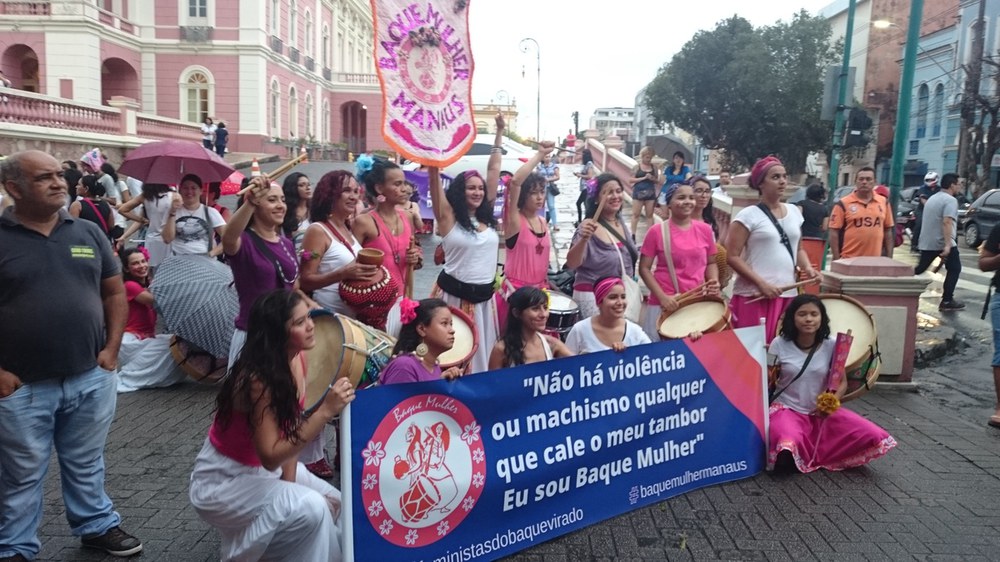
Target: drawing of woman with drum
524	339
763	249
683	250
608	329
465	221
246	480
427	333
802	435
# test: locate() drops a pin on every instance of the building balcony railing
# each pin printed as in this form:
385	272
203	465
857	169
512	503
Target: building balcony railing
310	64
25	8
357	78
157	127
276	45
293	54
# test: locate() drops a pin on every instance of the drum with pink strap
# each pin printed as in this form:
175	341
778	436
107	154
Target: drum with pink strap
702	314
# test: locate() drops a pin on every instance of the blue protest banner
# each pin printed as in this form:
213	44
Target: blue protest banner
497	462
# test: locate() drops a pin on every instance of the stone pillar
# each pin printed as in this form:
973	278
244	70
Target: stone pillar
891	294
128	108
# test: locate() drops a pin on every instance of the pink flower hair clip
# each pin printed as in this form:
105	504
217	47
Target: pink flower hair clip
408	310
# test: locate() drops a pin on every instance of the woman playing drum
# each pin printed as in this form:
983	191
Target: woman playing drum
389	229
524	340
329	250
802	435
608	329
246	481
602	245
470	242
526	235
426	333
144	360
689	262
763	249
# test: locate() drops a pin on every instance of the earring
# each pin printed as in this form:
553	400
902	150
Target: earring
421	350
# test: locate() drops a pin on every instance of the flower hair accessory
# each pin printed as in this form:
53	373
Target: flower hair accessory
144	252
408	310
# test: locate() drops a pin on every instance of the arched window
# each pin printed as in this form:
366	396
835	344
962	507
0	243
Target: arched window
309	34
293	14
938	115
923	96
326	121
197	92
310	127
275	109
325	55
293	114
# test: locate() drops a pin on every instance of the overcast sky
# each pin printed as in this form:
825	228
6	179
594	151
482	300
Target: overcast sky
591	58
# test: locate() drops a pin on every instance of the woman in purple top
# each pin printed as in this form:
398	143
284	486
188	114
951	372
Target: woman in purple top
426	334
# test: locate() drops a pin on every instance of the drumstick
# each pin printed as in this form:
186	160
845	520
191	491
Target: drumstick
696	292
408	289
277	172
785	288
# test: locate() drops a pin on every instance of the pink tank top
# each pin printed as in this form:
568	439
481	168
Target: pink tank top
528	261
235	439
393	246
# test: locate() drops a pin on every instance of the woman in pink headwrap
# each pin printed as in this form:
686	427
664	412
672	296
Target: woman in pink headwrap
763	249
608	329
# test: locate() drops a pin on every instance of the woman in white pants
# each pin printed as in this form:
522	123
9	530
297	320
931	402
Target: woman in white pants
247	481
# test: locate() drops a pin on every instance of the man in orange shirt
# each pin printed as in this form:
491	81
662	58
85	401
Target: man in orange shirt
861	223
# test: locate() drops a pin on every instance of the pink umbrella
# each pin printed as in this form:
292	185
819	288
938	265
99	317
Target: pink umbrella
231	185
168	161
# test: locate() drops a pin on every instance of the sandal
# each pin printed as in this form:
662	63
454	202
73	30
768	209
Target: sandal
320	469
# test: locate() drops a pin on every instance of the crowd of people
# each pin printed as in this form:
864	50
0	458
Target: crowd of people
292	247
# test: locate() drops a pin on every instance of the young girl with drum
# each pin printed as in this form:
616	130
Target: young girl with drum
246	480
688	262
801	435
329	249
763	249
144	360
608	329
526	236
524	339
470	243
426	333
389	229
602	245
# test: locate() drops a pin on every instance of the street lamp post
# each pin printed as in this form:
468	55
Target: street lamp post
905	97
838	127
538	101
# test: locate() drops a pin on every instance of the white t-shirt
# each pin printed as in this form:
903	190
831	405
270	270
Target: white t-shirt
194	234
764	252
582	339
335	257
801	395
471	257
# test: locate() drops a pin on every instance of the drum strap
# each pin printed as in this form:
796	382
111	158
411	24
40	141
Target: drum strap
774	396
665	227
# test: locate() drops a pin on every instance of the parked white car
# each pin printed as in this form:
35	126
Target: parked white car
478	155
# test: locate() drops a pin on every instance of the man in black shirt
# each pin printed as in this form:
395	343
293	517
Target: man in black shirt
929	188
989	260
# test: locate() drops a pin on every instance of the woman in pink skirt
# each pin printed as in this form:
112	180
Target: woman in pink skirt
799	433
763	249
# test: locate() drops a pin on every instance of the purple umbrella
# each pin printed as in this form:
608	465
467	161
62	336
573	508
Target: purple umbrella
167	161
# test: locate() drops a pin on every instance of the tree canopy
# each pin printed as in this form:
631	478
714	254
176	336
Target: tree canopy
751	92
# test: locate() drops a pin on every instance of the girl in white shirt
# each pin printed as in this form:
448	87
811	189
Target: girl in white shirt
608	329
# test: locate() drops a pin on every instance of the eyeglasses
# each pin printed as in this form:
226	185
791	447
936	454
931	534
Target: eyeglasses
702	191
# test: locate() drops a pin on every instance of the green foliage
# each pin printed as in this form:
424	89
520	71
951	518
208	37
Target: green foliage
751	92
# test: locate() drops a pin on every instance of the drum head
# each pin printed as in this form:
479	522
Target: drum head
700	316
848	314
325	358
465	340
558	302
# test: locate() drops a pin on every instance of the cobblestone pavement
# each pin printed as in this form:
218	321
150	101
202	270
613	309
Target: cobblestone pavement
934	497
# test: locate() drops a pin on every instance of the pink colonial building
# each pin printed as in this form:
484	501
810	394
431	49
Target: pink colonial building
273	70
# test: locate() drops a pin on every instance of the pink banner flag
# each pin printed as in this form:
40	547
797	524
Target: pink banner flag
424	62
840	352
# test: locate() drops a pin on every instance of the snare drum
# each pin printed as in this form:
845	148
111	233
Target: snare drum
704	314
863	363
564	313
466	342
344	348
200	365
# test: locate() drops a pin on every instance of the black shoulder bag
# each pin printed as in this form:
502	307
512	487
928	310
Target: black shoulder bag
781	232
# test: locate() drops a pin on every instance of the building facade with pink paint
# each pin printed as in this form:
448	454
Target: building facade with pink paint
277	72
